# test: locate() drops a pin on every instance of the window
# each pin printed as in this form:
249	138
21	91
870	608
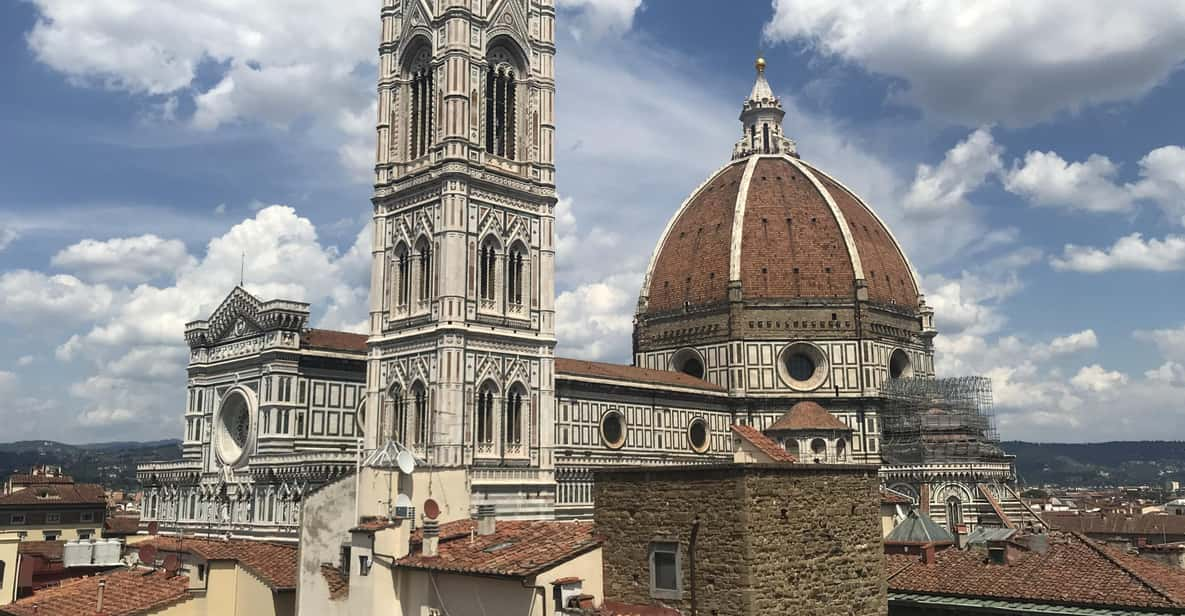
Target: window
697	435
803	366
201	572
53	518
841	449
689	362
398	413
87	516
514	277
500	106
954	513
487	260
420	133
665	575
424	248
51	535
514	418
16	518
613	430
819	449
403	268
83	535
421	402
791	445
899	365
800	366
485	415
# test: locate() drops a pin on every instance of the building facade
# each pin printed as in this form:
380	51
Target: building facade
272	411
42	506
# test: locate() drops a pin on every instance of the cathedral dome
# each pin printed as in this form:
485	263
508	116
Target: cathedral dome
777	228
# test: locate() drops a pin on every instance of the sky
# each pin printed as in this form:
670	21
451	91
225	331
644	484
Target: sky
1029	156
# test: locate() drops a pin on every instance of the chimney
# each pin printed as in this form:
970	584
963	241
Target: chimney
486	519
929	554
102	586
431	537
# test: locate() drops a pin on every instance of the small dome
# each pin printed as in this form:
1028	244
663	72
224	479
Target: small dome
783	230
807	416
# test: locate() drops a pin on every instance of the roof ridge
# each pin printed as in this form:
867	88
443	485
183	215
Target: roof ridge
1155	587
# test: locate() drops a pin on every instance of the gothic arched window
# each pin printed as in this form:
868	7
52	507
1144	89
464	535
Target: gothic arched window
398	413
403	275
954	513
512	432
487	264
501	105
421	403
485	415
420	121
514	276
425	250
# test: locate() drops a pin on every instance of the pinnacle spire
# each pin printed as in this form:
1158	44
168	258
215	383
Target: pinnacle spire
761	117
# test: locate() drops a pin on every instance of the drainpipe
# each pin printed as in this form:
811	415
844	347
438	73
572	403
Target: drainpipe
691	558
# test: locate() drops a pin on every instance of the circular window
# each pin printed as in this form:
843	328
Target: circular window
613	430
697	435
899	365
818	447
234	425
803	366
689	362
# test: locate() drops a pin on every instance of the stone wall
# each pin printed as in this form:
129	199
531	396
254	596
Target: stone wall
768	539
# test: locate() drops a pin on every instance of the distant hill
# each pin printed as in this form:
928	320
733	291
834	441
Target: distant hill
112	465
1098	464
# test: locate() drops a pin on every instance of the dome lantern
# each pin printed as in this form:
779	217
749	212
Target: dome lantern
761	118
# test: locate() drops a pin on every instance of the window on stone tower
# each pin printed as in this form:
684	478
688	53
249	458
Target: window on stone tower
487	258
954	513
500	102
425	250
485	415
398	413
514	276
765	138
403	268
513	429
421	402
420	121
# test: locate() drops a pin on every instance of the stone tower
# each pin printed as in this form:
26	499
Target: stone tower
462	300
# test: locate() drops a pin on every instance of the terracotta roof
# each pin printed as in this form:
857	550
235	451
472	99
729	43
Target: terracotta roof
762	442
25	479
515	549
372	524
121	525
808	415
792	242
49	550
339	583
274	563
1073	571
1117	523
893	497
333	340
127	592
58	494
617	372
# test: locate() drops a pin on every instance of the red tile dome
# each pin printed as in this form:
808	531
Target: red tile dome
781	229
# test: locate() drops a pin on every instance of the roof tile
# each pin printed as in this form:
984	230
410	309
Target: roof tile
764	443
274	563
127	592
515	549
599	370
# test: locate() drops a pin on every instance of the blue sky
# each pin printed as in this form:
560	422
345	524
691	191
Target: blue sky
1029	157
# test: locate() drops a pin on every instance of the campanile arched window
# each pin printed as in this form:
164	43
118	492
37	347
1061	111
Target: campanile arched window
424	248
485	415
513	420
514	275
420	87
403	275
487	266
421	402
501	101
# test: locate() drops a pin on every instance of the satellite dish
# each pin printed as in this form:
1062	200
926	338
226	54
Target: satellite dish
172	564
431	509
406	461
148	554
153	527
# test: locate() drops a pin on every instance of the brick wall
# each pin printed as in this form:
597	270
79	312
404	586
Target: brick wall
770	539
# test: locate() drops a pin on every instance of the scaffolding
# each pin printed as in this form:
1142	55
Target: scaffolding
949	420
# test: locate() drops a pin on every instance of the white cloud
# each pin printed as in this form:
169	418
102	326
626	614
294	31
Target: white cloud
963	170
598	17
1162	180
1009	61
8	381
1169	341
1131	252
127	259
1072	343
595	321
1094	378
1169	373
28	297
8	235
1045	179
26	360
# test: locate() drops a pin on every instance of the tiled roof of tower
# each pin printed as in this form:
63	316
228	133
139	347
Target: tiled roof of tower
275	564
515	549
617	372
763	443
333	340
127	593
801	235
57	494
808	415
1073	571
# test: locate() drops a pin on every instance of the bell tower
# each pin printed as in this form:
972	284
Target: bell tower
462	297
